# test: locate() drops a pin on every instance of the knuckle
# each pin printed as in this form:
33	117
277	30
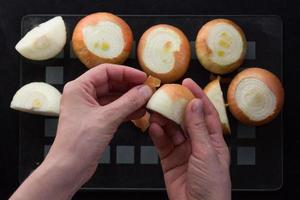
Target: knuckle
196	125
69	87
134	100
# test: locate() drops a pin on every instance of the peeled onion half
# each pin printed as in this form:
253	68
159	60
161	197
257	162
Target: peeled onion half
44	41
37	98
170	100
221	46
164	52
255	96
215	95
102	38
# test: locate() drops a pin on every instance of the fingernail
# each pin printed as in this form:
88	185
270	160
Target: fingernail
197	106
145	91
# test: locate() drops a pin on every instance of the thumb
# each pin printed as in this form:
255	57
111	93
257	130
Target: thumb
128	103
195	125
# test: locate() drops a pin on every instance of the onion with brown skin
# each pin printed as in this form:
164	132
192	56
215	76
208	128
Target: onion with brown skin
221	46
102	38
170	101
255	96
164	52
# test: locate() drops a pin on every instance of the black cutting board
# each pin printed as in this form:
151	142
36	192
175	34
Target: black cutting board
130	162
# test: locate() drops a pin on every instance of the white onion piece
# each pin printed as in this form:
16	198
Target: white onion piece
37	98
104	39
255	99
159	49
225	43
170	100
44	41
215	95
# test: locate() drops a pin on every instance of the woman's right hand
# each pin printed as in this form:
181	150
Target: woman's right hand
195	166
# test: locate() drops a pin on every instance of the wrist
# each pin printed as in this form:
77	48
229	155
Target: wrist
59	177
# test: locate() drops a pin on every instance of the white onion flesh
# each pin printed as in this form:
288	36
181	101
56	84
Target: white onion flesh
37	98
215	95
160	46
226	44
44	41
255	99
161	102
104	39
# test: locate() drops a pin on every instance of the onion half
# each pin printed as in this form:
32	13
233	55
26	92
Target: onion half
164	52
221	46
255	96
102	38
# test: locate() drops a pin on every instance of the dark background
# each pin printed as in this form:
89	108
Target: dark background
11	12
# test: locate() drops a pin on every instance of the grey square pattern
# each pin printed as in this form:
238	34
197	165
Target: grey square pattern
148	155
251	50
72	53
46	149
54	74
60	55
105	159
50	127
125	154
246	156
246	132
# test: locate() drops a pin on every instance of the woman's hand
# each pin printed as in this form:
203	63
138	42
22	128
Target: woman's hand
195	163
92	108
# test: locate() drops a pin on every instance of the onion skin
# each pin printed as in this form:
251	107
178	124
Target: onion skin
143	122
87	57
271	81
177	99
182	57
203	51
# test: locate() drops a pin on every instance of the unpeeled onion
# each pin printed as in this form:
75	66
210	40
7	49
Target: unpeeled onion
255	96
221	46
102	38
164	52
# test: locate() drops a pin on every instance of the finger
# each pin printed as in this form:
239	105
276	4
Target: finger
107	99
178	157
171	128
161	140
211	115
128	103
106	78
212	119
195	125
112	97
